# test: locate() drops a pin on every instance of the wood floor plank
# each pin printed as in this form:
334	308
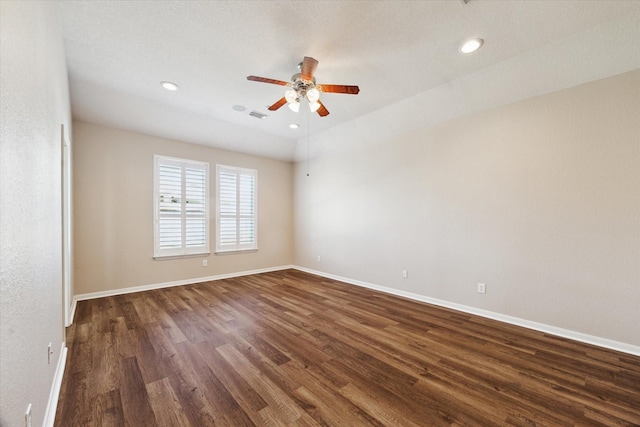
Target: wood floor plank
333	409
217	396
128	310
386	414
107	410
193	392
135	400
72	406
165	404
278	402
105	371
290	348
246	397
149	361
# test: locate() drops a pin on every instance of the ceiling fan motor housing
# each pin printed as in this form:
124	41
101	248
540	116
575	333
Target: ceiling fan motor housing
301	86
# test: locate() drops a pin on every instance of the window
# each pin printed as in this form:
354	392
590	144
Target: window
181	205
236	209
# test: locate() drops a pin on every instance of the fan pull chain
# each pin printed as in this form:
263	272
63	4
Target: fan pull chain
308	133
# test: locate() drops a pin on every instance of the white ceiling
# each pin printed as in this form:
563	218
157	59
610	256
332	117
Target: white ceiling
118	52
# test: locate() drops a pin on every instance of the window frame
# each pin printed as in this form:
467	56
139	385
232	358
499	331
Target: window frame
183	250
237	247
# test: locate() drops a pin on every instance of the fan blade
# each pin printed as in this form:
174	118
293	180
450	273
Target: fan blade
351	90
308	68
322	111
266	80
279	103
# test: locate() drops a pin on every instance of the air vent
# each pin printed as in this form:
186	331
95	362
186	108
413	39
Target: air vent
254	113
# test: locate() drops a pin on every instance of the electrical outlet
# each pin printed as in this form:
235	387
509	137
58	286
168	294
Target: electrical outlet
318	259
205	262
27	416
482	288
405	274
49	353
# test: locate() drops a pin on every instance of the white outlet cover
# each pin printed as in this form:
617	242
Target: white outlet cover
482	288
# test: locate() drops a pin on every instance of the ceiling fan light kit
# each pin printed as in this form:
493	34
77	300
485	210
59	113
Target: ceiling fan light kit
303	87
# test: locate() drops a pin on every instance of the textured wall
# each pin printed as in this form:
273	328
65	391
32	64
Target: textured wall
34	102
113	211
539	199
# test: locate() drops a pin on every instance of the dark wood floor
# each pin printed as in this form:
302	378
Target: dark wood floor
289	348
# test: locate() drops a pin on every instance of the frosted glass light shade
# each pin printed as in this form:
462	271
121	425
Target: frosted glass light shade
313	106
294	106
290	95
313	95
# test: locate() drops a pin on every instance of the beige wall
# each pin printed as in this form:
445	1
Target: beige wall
34	99
113	211
539	199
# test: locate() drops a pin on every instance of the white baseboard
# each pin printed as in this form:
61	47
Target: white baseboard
560	332
72	312
122	291
52	405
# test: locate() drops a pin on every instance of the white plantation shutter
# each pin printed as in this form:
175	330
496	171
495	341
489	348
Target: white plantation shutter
181	198
237	210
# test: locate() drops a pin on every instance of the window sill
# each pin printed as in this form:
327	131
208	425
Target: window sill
235	251
169	257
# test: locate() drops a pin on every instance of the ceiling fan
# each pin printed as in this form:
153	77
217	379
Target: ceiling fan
303	86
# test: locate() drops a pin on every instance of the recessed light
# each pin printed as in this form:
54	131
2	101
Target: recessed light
294	126
169	85
239	108
471	45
